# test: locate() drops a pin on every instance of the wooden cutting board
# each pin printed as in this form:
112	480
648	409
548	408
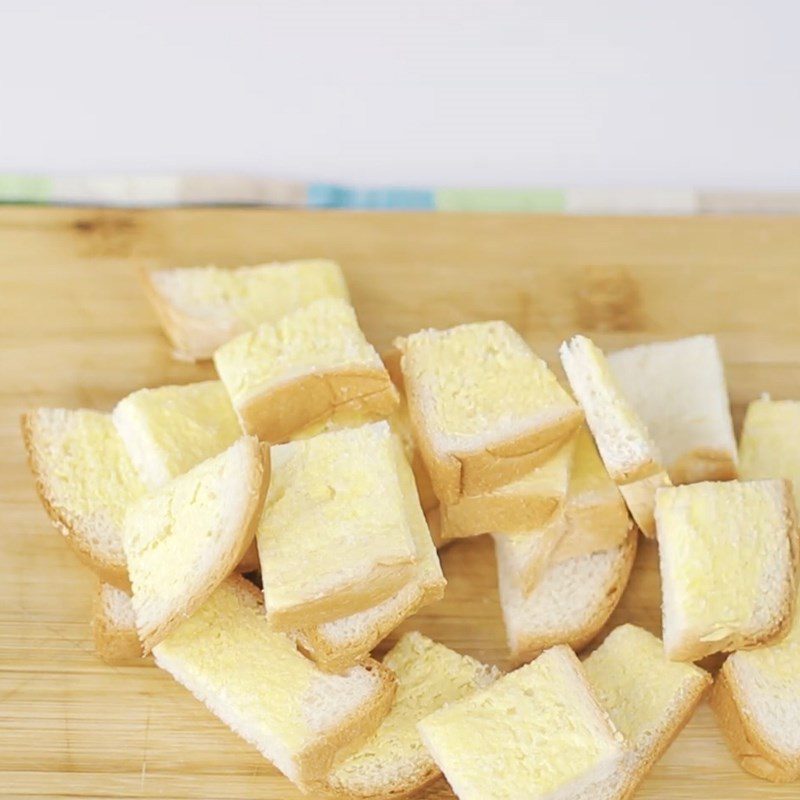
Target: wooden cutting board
75	331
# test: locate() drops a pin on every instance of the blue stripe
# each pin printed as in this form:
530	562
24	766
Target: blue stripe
327	195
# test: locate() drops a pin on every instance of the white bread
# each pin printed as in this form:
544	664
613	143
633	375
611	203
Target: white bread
184	539
538	732
525	504
569	605
678	390
201	308
728	555
114	626
256	682
625	445
484	408
86	481
393	763
342	642
334	538
307	367
169	430
648	697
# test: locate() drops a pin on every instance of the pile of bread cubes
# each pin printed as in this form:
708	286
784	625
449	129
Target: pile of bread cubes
330	476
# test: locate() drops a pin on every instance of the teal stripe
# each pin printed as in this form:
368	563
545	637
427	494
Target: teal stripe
325	195
541	201
24	189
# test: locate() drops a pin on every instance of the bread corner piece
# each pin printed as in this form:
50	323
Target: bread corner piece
485	409
393	762
569	604
86	481
538	732
728	555
338	644
334	538
184	539
306	367
625	445
678	390
648	697
201	308
258	684
116	640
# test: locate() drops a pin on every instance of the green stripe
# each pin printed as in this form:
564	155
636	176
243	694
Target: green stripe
24	189
541	201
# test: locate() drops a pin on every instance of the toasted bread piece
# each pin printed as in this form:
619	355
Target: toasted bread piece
184	539
171	429
728	554
309	366
648	697
393	763
86	481
678	390
538	732
625	445
258	684
526	504
114	626
570	603
201	308
334	538
342	642
485	409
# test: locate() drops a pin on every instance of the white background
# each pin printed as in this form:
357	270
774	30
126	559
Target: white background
607	92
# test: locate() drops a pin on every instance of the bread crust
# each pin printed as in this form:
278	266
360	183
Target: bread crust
703	464
398	791
753	752
280	412
114	644
640	497
71	528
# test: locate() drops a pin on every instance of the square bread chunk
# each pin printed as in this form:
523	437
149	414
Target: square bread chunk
485	409
309	366
334	538
728	554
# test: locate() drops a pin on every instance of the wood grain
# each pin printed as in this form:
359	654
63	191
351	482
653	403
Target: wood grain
75	330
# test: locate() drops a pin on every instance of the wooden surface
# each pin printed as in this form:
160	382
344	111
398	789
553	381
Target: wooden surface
76	331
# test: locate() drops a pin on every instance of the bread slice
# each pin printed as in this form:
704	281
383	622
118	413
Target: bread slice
184	539
169	430
485	409
334	538
201	308
728	554
86	481
538	732
114	626
678	390
393	762
648	697
342	642
256	682
570	603
523	505
625	445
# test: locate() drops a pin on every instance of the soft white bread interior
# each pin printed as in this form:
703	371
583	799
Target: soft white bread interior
341	642
525	504
256	682
86	482
571	602
116	640
625	445
393	763
485	409
678	389
169	430
184	539
648	697
334	538
728	556
304	368
538	732
201	308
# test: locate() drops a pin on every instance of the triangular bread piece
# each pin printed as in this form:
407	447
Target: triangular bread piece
116	640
